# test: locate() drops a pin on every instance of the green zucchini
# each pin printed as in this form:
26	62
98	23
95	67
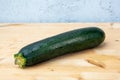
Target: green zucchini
68	42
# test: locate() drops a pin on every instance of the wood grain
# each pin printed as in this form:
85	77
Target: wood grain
100	63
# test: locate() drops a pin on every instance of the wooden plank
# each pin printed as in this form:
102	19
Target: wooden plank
101	63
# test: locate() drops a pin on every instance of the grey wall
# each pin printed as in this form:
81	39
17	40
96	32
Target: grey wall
59	10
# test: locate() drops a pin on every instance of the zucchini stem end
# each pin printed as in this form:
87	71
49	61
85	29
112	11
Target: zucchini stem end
20	60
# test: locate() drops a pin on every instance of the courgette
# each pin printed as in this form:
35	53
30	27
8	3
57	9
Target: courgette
51	47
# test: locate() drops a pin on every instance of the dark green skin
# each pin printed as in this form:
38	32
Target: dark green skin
68	42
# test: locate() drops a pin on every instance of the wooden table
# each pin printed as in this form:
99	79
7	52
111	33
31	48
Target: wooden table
100	63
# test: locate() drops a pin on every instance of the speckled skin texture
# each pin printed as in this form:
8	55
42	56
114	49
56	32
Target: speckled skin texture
59	11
